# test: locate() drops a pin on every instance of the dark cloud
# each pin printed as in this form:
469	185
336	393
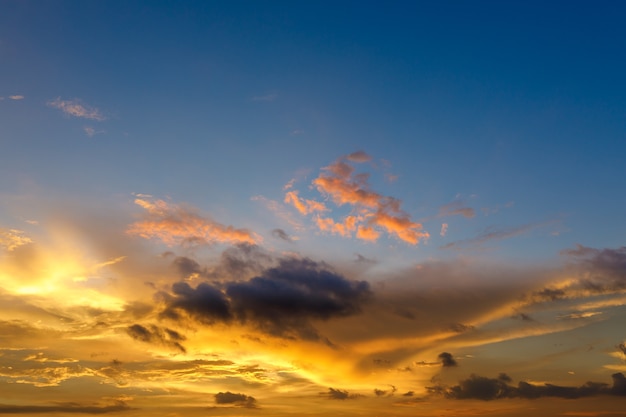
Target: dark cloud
523	317
461	328
447	360
602	267
622	348
281	301
339	394
484	388
240	400
157	335
408	394
379	392
205	303
281	234
64	408
549	294
360	259
492	233
187	266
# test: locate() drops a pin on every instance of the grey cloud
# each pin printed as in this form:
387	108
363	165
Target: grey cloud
281	234
605	269
484	388
491	233
280	301
63	408
358	156
447	360
622	348
157	335
339	394
240	400
456	208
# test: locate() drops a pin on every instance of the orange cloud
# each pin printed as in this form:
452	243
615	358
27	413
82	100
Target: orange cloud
174	224
344	229
13	238
339	182
304	206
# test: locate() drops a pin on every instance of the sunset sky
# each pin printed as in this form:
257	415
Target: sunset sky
289	208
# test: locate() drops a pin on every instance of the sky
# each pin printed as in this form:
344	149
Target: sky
284	208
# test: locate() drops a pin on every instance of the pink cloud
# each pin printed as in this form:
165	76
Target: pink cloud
174	224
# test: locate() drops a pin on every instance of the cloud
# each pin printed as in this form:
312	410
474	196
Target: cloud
447	360
281	234
11	239
157	335
339	394
456	208
444	229
64	408
372	212
281	301
16	97
484	388
358	156
76	108
240	400
174	224
304	206
492	233
602	267
90	131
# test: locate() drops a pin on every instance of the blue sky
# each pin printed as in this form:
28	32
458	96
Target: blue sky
125	126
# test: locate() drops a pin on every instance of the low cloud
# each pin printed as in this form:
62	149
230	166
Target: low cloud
157	335
76	108
339	394
447	360
484	388
176	224
281	301
10	239
64	408
239	400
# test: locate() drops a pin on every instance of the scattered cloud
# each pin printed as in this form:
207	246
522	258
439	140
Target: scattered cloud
76	108
372	213
11	239
16	97
444	229
90	131
304	206
175	224
456	208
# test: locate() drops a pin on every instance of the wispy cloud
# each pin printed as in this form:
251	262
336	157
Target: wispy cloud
17	97
174	224
456	208
76	108
11	239
444	229
90	131
492	233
